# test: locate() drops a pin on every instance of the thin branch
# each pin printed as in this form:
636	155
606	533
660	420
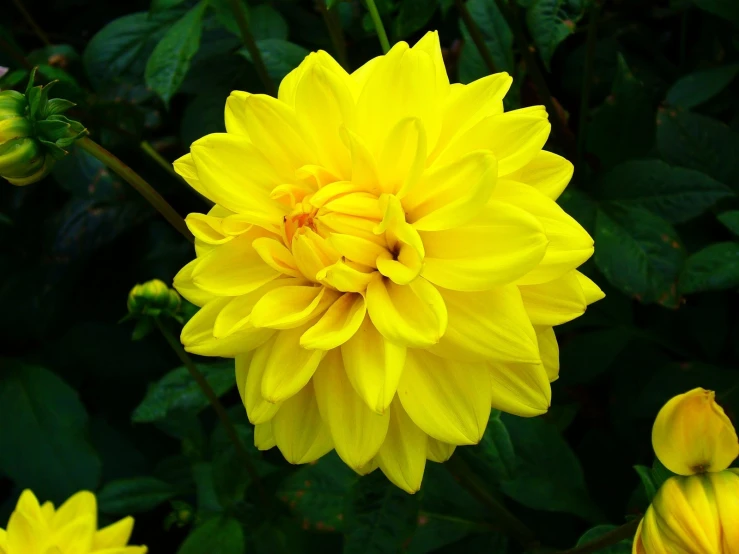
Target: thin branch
476	34
379	27
251	46
138	183
43	37
333	24
587	81
217	406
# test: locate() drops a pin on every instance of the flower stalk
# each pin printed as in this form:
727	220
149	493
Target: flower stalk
476	35
626	531
251	46
379	27
333	24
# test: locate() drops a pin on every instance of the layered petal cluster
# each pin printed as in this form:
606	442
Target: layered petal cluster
691	515
385	259
70	529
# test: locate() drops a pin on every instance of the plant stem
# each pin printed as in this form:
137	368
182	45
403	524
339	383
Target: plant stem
508	522
150	151
512	17
251	46
626	531
377	20
217	406
587	81
137	182
476	35
333	24
32	22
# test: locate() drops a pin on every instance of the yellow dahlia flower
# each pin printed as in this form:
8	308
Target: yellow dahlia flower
385	259
72	529
692	434
698	514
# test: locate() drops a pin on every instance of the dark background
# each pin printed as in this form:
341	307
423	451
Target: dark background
656	150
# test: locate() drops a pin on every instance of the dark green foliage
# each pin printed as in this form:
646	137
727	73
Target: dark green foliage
82	406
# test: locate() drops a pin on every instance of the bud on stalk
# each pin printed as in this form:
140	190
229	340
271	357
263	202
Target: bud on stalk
33	133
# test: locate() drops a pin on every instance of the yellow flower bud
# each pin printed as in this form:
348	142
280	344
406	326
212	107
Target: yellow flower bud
153	298
695	514
692	434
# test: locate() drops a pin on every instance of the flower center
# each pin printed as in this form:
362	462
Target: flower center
297	220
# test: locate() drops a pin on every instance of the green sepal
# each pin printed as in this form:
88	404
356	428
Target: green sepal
31	79
55	151
143	327
33	96
52	130
56	106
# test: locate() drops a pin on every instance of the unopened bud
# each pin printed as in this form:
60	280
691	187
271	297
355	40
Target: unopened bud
153	298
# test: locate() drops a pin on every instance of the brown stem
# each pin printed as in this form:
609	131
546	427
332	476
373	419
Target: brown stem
217	406
476	34
251	46
137	182
626	531
587	81
333	24
43	37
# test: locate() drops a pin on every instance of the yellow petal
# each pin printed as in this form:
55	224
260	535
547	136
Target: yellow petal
264	438
466	105
513	137
403	260
236	175
337	325
249	373
276	255
726	487
402	457
409	315
185	168
344	277
501	244
402	69
299	432
236	121
450	401
357	249
233	269
188	289
546	172
452	194
430	44
79	505
365	174
357	431
312	253
591	291
490	325
520	389
289	307
555	302
692	434
197	335
77	535
206	228
549	351
288	367
324	104
373	365
403	157
114	535
569	244
275	131
438	451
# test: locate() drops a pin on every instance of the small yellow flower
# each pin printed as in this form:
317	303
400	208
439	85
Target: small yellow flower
692	434
153	298
698	514
71	529
385	259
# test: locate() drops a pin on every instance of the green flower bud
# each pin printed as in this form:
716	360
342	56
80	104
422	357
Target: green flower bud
153	298
33	133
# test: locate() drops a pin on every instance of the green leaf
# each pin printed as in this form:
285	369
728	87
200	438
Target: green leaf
695	88
164	5
639	253
673	193
279	56
265	22
621	547
170	60
380	517
437	530
134	495
552	21
318	493
494	454
122	46
498	38
645	475
716	267
730	220
589	354
221	535
178	391
728	9
550	477
43	440
699	142
413	15
608	137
